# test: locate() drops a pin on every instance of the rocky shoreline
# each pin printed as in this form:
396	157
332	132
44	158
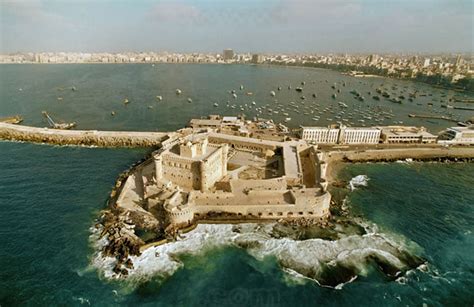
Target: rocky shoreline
124	229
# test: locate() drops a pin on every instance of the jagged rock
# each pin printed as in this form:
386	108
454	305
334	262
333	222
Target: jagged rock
117	269
129	264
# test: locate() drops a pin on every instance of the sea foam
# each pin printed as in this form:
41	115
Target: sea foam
357	181
329	263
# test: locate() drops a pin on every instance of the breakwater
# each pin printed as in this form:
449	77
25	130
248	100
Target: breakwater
81	137
437	153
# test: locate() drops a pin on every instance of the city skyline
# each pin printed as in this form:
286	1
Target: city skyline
265	26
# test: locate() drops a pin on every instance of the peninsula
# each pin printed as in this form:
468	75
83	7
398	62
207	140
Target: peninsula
232	170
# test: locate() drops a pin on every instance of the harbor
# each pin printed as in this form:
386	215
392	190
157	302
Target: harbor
70	209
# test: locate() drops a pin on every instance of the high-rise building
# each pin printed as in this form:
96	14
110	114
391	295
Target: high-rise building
257	58
373	58
426	63
228	54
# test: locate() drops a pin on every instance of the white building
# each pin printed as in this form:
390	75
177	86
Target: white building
406	134
457	135
341	135
320	135
358	135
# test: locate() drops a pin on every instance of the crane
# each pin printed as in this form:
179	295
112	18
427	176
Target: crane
55	125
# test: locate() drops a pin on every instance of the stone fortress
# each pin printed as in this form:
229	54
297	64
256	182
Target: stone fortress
202	174
211	175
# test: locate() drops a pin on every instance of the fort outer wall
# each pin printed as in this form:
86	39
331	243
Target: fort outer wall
81	137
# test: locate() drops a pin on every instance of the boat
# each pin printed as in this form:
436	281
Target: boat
234	95
279	88
299	89
241	87
112	113
54	125
178	91
216	104
287	119
334	96
375	97
254	103
272	93
126	101
190	100
12	119
159	98
249	93
314	95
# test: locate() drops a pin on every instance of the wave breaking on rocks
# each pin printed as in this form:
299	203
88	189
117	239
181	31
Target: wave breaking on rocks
331	261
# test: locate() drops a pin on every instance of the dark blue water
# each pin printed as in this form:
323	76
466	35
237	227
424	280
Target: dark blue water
50	196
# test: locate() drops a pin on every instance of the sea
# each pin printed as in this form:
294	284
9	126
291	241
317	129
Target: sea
51	196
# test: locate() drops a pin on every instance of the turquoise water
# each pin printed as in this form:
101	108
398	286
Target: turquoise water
50	196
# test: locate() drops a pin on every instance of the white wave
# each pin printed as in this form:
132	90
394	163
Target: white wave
306	258
82	300
357	181
340	286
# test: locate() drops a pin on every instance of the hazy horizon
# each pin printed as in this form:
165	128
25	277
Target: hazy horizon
272	26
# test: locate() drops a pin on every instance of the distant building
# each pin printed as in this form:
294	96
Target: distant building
406	134
373	58
228	54
426	63
457	135
257	58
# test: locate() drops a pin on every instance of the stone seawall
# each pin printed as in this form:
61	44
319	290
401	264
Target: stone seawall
387	154
81	137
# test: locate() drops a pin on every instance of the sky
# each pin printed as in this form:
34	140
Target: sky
296	26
